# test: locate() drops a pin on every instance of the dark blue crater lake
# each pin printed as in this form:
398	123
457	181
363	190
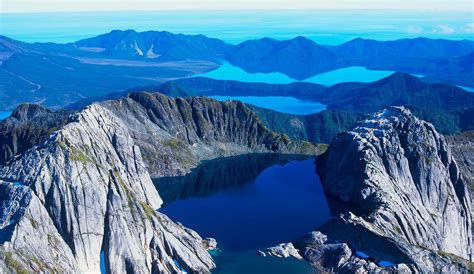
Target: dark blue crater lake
248	203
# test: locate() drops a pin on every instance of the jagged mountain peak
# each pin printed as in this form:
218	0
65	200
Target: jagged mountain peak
25	112
389	166
385	119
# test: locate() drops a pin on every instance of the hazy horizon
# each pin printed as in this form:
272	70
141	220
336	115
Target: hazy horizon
325	27
159	5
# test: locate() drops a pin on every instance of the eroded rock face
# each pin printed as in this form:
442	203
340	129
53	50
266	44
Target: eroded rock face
462	146
407	201
95	195
87	193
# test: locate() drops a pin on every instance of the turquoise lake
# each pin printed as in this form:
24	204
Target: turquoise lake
467	88
5	114
351	74
283	104
248	203
290	105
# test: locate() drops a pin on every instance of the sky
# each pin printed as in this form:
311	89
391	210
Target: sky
29	6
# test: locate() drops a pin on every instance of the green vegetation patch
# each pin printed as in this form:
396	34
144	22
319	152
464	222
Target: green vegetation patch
34	223
14	264
457	259
173	143
149	211
78	155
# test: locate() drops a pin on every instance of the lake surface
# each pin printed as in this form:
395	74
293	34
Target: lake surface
290	104
467	88
283	104
350	74
5	114
248	203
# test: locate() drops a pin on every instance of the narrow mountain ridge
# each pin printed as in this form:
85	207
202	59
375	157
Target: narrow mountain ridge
196	129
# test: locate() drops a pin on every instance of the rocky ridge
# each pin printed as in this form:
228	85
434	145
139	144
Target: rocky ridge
405	188
194	129
398	197
85	197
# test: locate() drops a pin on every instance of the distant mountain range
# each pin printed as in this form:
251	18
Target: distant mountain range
59	74
396	89
301	58
449	108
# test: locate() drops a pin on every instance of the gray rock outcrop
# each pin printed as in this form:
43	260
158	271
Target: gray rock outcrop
399	200
285	250
402	195
462	146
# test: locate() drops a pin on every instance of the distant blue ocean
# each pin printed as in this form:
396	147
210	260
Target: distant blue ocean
322	26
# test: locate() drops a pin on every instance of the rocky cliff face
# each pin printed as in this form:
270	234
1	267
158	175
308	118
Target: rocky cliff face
408	201
85	197
462	146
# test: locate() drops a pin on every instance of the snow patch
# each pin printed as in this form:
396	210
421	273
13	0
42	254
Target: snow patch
136	48
151	54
